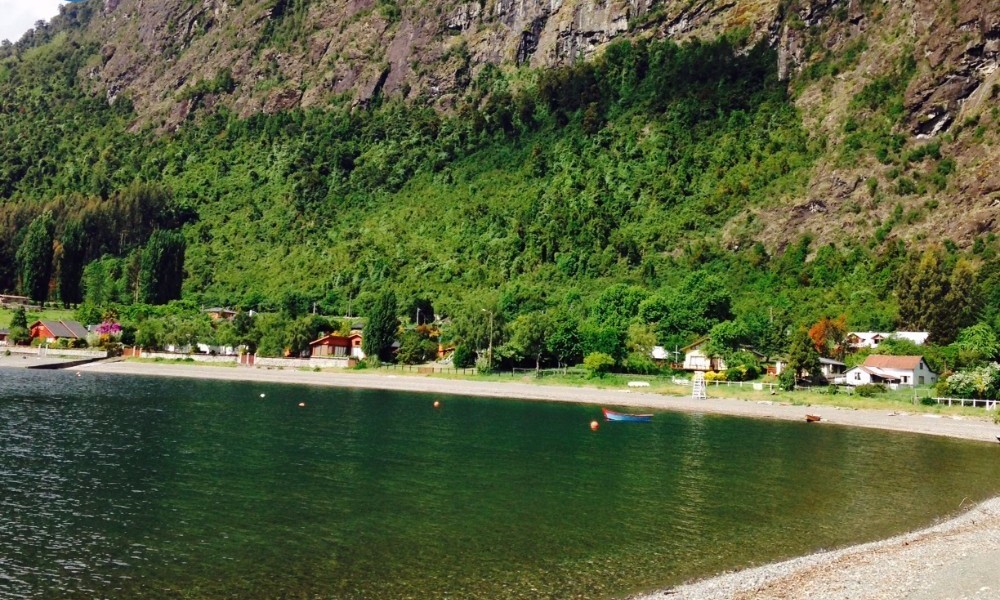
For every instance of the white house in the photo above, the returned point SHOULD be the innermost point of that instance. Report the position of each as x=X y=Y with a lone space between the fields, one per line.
x=659 y=353
x=832 y=370
x=696 y=359
x=892 y=371
x=871 y=339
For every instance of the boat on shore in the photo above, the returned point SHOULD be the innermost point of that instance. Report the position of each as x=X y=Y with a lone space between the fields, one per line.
x=812 y=418
x=610 y=415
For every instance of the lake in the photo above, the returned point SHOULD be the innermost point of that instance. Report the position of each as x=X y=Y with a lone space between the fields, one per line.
x=135 y=487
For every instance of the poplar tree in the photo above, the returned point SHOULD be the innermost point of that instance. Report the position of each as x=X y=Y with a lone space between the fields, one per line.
x=162 y=268
x=380 y=330
x=34 y=258
x=71 y=265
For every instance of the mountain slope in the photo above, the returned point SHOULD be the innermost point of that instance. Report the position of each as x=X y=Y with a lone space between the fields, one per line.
x=456 y=149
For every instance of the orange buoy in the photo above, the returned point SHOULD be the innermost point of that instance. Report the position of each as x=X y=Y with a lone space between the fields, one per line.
x=301 y=404
x=437 y=404
x=594 y=425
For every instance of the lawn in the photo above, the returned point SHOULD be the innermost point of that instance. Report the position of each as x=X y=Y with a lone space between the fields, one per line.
x=50 y=314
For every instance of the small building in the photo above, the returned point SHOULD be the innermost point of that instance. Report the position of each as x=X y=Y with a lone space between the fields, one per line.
x=10 y=300
x=892 y=371
x=659 y=354
x=832 y=370
x=697 y=359
x=3 y=337
x=220 y=314
x=336 y=345
x=857 y=340
x=52 y=331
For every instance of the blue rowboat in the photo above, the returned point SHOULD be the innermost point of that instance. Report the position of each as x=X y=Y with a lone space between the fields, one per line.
x=611 y=415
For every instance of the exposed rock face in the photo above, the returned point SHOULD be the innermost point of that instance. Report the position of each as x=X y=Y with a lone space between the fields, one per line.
x=153 y=49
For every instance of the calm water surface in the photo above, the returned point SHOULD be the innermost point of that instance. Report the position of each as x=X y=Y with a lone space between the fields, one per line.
x=128 y=487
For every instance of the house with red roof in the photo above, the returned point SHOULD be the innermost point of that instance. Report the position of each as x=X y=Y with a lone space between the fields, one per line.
x=53 y=331
x=892 y=371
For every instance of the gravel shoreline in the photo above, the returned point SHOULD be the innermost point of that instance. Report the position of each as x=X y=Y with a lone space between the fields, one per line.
x=981 y=430
x=959 y=558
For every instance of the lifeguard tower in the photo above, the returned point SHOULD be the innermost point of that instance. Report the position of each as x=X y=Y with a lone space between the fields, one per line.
x=698 y=389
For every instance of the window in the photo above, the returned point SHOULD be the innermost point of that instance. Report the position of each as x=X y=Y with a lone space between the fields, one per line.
x=857 y=377
x=906 y=379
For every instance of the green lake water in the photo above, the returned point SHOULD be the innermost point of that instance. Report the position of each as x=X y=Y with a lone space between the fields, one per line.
x=128 y=487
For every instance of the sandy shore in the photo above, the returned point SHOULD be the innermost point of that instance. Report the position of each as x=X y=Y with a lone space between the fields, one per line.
x=958 y=427
x=959 y=558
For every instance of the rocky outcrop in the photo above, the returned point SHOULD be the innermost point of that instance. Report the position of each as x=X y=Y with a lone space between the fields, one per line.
x=153 y=49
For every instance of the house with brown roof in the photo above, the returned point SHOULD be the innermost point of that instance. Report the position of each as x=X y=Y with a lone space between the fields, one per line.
x=892 y=371
x=336 y=345
x=52 y=331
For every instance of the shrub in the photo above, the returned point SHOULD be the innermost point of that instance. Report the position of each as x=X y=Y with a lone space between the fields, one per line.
x=483 y=365
x=463 y=357
x=713 y=376
x=870 y=389
x=786 y=381
x=598 y=364
x=640 y=363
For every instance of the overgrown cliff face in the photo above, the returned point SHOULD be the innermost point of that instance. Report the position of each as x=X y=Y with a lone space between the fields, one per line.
x=287 y=53
x=903 y=97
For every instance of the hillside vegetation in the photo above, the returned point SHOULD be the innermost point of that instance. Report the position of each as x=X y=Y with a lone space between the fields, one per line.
x=664 y=185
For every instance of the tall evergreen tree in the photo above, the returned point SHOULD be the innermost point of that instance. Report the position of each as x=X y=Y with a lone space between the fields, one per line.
x=162 y=268
x=935 y=300
x=71 y=265
x=803 y=356
x=34 y=258
x=380 y=330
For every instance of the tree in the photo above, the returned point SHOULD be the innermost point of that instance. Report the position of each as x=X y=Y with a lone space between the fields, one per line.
x=34 y=258
x=19 y=318
x=19 y=333
x=828 y=336
x=162 y=267
x=598 y=363
x=528 y=335
x=294 y=304
x=802 y=355
x=71 y=264
x=463 y=357
x=934 y=300
x=381 y=327
x=977 y=343
x=619 y=304
x=420 y=305
x=563 y=342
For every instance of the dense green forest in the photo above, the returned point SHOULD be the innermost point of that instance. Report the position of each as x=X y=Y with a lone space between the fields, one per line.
x=583 y=202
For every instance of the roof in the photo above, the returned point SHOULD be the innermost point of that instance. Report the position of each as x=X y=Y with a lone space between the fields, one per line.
x=830 y=361
x=333 y=336
x=695 y=344
x=64 y=329
x=4 y=332
x=219 y=309
x=876 y=372
x=899 y=363
x=917 y=337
